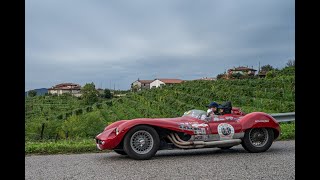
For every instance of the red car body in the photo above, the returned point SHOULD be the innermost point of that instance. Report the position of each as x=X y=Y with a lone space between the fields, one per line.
x=217 y=129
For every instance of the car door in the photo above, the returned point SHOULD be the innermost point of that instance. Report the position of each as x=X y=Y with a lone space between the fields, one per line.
x=224 y=127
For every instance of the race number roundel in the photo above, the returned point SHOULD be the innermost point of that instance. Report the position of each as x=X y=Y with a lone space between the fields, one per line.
x=226 y=131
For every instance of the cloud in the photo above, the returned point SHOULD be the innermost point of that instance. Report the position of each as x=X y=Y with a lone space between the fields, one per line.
x=121 y=41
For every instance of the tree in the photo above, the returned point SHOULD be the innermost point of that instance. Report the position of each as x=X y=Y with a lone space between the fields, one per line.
x=135 y=88
x=271 y=74
x=221 y=76
x=287 y=71
x=32 y=93
x=89 y=93
x=107 y=94
x=267 y=68
x=291 y=63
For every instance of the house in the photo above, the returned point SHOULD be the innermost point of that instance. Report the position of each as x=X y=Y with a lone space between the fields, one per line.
x=73 y=89
x=101 y=91
x=138 y=85
x=262 y=74
x=242 y=70
x=161 y=82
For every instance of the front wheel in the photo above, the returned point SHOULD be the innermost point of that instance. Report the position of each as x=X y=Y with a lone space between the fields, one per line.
x=141 y=142
x=257 y=139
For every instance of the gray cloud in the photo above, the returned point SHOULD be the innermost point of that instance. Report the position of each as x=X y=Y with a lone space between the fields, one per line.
x=116 y=42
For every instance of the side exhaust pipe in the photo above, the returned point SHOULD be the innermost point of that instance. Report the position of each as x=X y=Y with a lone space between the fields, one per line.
x=181 y=142
x=177 y=141
x=184 y=146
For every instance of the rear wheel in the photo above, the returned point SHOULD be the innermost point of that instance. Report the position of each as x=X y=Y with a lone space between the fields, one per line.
x=141 y=142
x=121 y=152
x=257 y=139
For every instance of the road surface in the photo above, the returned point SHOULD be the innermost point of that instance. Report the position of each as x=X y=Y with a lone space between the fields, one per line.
x=277 y=163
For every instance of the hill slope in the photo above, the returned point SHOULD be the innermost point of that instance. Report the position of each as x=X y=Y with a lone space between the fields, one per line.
x=63 y=116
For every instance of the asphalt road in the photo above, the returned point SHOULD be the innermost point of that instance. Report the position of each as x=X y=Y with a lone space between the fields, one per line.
x=277 y=163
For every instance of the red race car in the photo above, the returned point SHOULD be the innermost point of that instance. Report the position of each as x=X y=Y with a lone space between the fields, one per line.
x=141 y=138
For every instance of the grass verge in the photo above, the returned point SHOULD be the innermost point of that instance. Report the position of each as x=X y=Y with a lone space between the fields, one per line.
x=88 y=145
x=61 y=147
x=287 y=131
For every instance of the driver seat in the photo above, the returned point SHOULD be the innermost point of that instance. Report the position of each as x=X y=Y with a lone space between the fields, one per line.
x=227 y=107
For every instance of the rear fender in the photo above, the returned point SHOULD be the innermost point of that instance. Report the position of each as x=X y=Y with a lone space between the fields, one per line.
x=260 y=120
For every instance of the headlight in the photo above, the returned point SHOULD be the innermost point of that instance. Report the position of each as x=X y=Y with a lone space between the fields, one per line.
x=98 y=141
x=117 y=131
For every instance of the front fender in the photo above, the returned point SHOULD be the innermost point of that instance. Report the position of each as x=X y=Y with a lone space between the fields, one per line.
x=115 y=124
x=109 y=138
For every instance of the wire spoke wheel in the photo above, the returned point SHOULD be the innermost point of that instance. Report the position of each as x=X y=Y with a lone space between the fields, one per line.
x=258 y=137
x=141 y=142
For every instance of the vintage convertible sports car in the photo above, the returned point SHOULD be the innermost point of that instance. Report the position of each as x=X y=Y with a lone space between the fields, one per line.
x=141 y=138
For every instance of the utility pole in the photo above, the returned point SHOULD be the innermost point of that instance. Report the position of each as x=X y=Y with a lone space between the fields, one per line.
x=259 y=67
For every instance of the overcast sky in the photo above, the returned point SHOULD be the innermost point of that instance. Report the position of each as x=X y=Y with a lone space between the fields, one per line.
x=114 y=42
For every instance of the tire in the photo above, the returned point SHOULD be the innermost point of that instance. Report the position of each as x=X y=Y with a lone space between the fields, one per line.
x=261 y=139
x=121 y=152
x=141 y=142
x=225 y=148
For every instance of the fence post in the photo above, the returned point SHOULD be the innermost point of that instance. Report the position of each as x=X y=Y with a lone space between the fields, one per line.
x=56 y=137
x=42 y=129
x=67 y=135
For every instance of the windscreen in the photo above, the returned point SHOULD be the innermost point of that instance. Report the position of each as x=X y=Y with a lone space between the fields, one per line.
x=199 y=114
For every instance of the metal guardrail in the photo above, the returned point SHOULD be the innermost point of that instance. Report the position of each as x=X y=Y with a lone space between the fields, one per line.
x=284 y=117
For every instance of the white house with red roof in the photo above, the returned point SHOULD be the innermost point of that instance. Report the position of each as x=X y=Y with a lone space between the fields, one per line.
x=73 y=89
x=141 y=84
x=161 y=82
x=148 y=84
